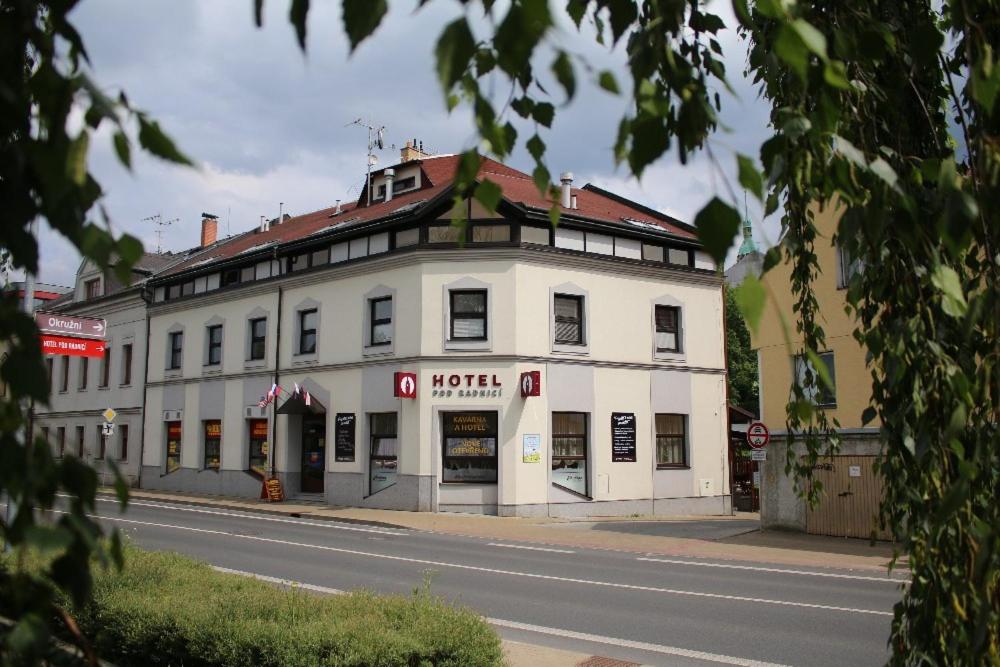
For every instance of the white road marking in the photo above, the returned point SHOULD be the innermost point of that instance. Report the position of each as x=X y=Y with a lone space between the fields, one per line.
x=529 y=575
x=756 y=568
x=522 y=546
x=260 y=517
x=541 y=629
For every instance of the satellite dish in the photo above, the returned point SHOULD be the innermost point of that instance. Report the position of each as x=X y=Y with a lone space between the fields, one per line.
x=372 y=160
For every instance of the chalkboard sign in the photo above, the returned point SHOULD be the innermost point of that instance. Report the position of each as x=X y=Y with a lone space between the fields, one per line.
x=343 y=437
x=623 y=437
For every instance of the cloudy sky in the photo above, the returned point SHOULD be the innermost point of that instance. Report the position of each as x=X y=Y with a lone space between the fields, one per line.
x=268 y=124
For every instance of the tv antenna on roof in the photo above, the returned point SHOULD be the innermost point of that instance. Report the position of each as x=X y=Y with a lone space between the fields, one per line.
x=160 y=225
x=376 y=139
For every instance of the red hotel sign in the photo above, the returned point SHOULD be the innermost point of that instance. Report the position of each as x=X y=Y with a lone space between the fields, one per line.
x=466 y=385
x=531 y=383
x=404 y=385
x=73 y=347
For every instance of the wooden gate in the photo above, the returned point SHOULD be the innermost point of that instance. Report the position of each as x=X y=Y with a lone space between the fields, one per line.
x=849 y=503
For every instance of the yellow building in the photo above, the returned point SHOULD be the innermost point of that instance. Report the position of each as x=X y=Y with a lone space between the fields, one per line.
x=852 y=490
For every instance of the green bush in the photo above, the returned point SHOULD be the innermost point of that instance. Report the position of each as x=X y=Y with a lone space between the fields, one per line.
x=167 y=609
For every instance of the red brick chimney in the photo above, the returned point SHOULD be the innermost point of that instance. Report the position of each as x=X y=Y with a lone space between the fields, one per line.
x=209 y=229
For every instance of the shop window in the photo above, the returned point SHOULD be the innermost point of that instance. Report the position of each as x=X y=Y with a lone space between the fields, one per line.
x=79 y=441
x=173 y=446
x=383 y=459
x=213 y=444
x=105 y=367
x=258 y=446
x=812 y=384
x=123 y=442
x=127 y=364
x=468 y=314
x=671 y=441
x=381 y=321
x=64 y=380
x=84 y=372
x=258 y=335
x=175 y=350
x=307 y=331
x=568 y=313
x=101 y=442
x=61 y=440
x=569 y=451
x=668 y=337
x=470 y=447
x=214 y=345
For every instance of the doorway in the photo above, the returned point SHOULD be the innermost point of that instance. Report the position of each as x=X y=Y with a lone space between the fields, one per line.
x=313 y=453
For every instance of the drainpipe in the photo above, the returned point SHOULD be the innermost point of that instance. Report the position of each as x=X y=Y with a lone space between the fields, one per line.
x=145 y=390
x=729 y=422
x=277 y=376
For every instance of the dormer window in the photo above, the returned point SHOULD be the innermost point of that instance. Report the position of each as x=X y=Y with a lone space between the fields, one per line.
x=92 y=288
x=401 y=185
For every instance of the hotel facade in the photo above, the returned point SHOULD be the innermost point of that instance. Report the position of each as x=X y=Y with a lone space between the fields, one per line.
x=375 y=355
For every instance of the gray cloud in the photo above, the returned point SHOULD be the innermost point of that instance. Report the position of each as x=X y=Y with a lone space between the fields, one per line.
x=267 y=123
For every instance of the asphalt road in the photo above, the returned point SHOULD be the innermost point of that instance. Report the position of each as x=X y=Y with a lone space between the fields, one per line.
x=652 y=610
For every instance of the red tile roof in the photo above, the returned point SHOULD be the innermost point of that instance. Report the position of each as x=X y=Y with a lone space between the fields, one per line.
x=518 y=188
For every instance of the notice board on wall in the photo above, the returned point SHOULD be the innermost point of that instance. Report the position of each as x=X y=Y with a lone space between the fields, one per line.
x=623 y=437
x=343 y=437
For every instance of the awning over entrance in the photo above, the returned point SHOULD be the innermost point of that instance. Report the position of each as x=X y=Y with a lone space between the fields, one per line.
x=296 y=405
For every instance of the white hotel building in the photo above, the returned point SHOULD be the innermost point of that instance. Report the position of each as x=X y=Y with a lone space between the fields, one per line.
x=617 y=314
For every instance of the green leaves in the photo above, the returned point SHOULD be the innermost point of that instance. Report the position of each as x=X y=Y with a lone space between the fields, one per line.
x=489 y=194
x=952 y=297
x=607 y=81
x=298 y=12
x=454 y=50
x=717 y=224
x=519 y=34
x=76 y=158
x=361 y=18
x=751 y=299
x=750 y=177
x=562 y=68
x=153 y=139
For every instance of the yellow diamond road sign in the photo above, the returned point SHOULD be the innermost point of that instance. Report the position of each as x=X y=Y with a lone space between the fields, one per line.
x=109 y=415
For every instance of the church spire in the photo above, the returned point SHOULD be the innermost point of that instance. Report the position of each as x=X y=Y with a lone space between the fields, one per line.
x=749 y=246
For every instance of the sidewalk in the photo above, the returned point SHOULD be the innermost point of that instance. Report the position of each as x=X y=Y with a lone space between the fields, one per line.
x=774 y=547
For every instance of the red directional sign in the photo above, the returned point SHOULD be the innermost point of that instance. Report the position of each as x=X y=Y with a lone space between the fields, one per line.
x=72 y=347
x=57 y=324
x=406 y=385
x=757 y=435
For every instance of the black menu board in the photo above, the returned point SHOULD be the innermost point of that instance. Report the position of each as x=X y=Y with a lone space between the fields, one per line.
x=623 y=437
x=343 y=437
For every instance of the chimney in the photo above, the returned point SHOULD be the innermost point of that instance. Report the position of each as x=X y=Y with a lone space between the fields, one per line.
x=573 y=202
x=337 y=211
x=567 y=188
x=390 y=175
x=413 y=150
x=263 y=223
x=209 y=229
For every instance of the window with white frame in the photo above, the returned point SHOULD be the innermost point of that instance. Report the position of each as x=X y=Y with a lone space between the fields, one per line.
x=380 y=322
x=671 y=441
x=467 y=314
x=569 y=451
x=568 y=315
x=667 y=322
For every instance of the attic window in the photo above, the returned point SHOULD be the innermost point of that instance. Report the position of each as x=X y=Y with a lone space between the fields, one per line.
x=402 y=185
x=409 y=207
x=643 y=224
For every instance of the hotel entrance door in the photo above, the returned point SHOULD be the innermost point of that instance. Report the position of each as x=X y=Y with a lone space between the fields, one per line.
x=313 y=453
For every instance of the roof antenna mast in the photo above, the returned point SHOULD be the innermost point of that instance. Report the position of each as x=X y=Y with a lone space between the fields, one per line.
x=161 y=224
x=376 y=139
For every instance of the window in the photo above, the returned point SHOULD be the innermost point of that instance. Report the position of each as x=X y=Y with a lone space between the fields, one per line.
x=92 y=288
x=106 y=367
x=405 y=237
x=79 y=441
x=847 y=267
x=668 y=329
x=445 y=234
x=470 y=447
x=101 y=442
x=213 y=444
x=307 y=331
x=258 y=446
x=384 y=451
x=123 y=442
x=258 y=334
x=64 y=380
x=230 y=277
x=569 y=451
x=812 y=384
x=490 y=233
x=671 y=441
x=84 y=372
x=381 y=321
x=176 y=350
x=127 y=364
x=536 y=235
x=49 y=368
x=214 y=345
x=173 y=446
x=61 y=438
x=652 y=253
x=468 y=314
x=568 y=311
x=45 y=433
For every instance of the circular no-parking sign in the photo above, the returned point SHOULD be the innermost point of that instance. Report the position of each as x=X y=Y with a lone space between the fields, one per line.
x=758 y=435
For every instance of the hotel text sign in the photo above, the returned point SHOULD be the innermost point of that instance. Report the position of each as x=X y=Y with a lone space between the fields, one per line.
x=467 y=385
